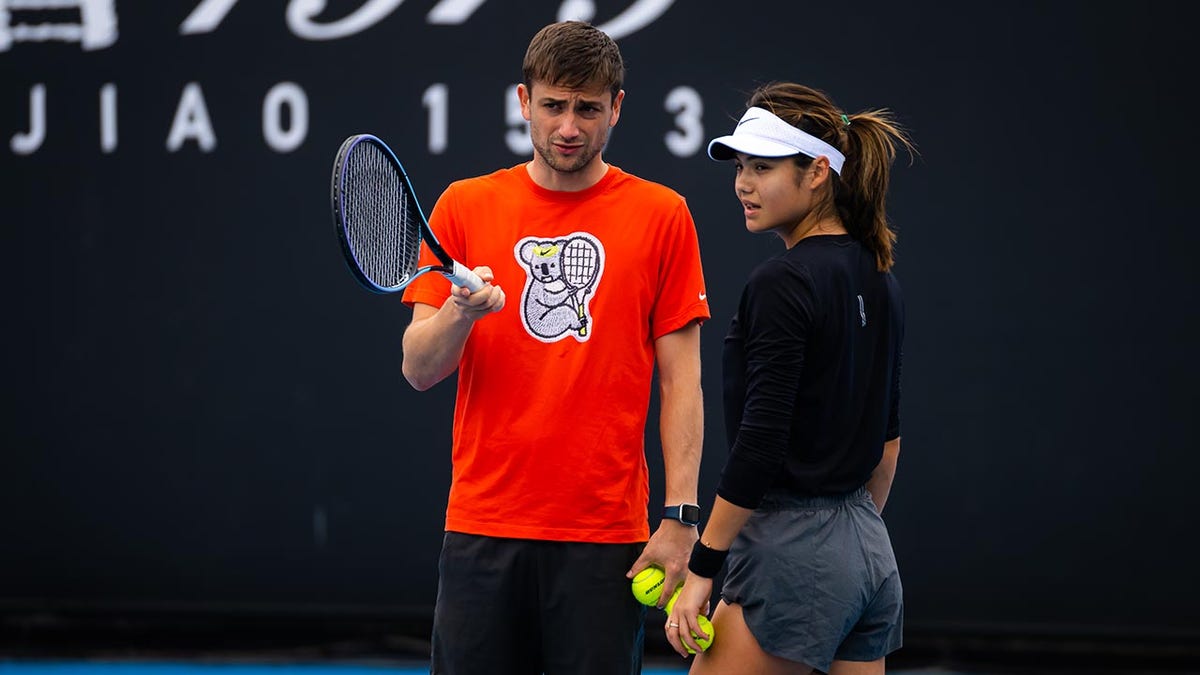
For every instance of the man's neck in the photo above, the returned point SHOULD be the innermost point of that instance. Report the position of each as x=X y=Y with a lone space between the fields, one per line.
x=559 y=181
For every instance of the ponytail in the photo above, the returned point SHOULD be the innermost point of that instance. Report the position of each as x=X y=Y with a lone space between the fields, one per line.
x=872 y=140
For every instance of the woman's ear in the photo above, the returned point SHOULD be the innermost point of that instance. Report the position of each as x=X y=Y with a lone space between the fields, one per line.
x=820 y=171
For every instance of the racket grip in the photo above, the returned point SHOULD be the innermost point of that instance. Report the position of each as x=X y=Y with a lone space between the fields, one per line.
x=465 y=278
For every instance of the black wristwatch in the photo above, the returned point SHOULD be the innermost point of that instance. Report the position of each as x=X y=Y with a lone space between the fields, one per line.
x=688 y=514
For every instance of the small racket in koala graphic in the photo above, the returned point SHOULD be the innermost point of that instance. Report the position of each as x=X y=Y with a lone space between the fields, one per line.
x=580 y=263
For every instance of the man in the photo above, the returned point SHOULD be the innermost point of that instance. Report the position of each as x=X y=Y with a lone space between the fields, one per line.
x=547 y=515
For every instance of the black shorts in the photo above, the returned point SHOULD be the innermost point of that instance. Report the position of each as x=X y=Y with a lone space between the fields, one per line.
x=525 y=607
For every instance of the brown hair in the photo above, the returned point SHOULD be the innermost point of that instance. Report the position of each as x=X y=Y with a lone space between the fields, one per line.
x=868 y=139
x=575 y=55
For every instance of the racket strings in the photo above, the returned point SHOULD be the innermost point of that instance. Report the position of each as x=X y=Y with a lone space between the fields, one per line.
x=579 y=262
x=379 y=222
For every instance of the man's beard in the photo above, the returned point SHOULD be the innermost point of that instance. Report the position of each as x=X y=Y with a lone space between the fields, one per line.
x=566 y=164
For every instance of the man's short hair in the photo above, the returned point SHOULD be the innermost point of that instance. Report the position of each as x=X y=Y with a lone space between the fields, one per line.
x=575 y=55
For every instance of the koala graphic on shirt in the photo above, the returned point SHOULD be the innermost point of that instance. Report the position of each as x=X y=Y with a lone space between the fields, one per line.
x=561 y=276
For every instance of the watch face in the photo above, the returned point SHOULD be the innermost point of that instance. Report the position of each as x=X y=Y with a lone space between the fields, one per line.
x=688 y=514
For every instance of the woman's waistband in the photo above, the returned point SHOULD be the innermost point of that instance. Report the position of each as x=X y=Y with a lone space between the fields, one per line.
x=778 y=500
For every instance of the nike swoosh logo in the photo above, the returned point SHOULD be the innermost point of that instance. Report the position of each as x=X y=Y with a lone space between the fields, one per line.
x=703 y=296
x=748 y=119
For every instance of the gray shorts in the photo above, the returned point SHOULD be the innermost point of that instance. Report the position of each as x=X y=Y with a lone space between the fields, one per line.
x=817 y=580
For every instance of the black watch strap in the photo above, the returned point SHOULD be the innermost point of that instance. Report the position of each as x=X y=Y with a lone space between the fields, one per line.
x=688 y=514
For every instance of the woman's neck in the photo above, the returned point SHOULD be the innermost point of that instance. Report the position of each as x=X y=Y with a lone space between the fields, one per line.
x=812 y=228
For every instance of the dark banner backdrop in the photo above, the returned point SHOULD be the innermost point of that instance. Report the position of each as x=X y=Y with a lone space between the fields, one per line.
x=202 y=410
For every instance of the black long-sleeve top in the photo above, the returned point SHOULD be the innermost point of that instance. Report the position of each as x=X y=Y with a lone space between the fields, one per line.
x=812 y=372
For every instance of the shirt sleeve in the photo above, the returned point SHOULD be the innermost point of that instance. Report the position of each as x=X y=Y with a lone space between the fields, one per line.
x=433 y=289
x=682 y=297
x=776 y=315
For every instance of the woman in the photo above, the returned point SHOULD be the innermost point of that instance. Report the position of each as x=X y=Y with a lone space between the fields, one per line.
x=812 y=389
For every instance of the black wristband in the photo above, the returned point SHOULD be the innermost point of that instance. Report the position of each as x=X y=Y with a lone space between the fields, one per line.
x=706 y=562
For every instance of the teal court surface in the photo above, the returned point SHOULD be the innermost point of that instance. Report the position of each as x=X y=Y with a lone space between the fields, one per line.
x=205 y=668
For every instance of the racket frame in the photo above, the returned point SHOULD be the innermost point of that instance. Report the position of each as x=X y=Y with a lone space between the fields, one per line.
x=456 y=272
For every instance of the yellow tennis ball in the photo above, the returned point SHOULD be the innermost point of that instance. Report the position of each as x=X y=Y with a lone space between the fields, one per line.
x=705 y=625
x=674 y=597
x=648 y=584
x=705 y=643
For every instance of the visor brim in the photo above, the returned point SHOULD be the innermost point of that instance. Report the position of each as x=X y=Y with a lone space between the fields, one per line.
x=726 y=147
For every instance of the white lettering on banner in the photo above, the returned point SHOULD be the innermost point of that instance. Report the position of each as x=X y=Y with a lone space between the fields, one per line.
x=206 y=17
x=285 y=108
x=637 y=16
x=688 y=107
x=191 y=121
x=301 y=15
x=452 y=12
x=577 y=10
x=28 y=142
x=108 y=118
x=291 y=95
x=301 y=12
x=285 y=120
x=97 y=27
x=437 y=101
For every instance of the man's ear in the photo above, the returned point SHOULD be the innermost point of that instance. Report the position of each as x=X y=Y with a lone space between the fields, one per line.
x=616 y=111
x=523 y=97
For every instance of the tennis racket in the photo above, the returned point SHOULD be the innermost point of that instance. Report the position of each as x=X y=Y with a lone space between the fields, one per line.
x=581 y=262
x=379 y=222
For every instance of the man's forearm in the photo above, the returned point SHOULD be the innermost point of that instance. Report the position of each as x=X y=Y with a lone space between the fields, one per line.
x=433 y=344
x=681 y=423
x=681 y=414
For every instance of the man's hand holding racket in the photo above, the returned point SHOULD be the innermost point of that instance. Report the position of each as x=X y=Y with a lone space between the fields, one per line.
x=478 y=304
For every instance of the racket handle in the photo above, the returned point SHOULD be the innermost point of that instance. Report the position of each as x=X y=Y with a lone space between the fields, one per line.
x=465 y=278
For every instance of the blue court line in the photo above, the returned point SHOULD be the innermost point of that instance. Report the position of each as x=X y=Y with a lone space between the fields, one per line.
x=152 y=668
x=115 y=667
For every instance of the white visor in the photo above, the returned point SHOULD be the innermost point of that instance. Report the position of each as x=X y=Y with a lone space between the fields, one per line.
x=762 y=134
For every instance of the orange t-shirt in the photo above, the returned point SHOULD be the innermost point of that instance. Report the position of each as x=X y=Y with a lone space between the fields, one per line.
x=553 y=390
